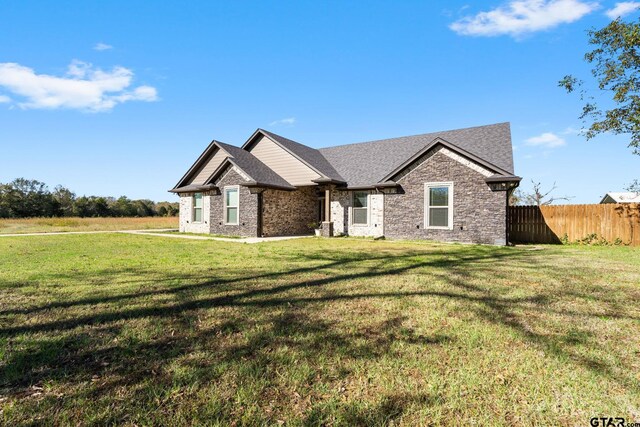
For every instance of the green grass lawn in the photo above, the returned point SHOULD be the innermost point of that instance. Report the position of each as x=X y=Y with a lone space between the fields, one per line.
x=142 y=330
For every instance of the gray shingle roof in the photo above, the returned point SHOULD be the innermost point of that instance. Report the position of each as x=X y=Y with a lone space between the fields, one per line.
x=310 y=155
x=367 y=163
x=257 y=170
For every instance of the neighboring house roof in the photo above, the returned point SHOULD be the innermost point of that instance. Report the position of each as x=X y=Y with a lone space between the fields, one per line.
x=312 y=157
x=367 y=164
x=361 y=164
x=621 y=197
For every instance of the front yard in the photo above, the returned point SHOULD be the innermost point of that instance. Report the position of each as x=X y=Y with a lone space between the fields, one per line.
x=145 y=330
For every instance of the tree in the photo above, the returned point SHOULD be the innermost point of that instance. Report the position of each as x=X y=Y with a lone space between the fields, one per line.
x=634 y=186
x=616 y=68
x=31 y=198
x=515 y=198
x=539 y=197
x=65 y=199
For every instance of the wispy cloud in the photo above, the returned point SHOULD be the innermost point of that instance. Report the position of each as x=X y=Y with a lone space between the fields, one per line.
x=520 y=17
x=83 y=87
x=4 y=99
x=547 y=139
x=622 y=9
x=288 y=121
x=571 y=131
x=102 y=46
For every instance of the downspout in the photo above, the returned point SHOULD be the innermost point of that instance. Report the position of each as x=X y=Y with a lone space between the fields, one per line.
x=509 y=192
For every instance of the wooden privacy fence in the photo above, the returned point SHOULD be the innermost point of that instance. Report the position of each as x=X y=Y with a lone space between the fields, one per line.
x=549 y=224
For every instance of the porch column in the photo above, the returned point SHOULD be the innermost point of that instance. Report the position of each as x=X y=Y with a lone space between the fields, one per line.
x=327 y=224
x=327 y=205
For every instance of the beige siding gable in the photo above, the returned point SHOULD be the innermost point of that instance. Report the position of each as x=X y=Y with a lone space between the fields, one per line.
x=283 y=163
x=209 y=167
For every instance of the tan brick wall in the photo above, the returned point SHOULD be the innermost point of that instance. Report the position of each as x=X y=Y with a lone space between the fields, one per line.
x=186 y=223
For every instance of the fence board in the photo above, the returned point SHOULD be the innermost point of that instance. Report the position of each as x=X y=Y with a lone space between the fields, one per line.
x=549 y=224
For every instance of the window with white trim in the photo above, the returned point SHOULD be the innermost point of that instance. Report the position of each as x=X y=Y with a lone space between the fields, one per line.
x=360 y=209
x=438 y=209
x=231 y=202
x=197 y=207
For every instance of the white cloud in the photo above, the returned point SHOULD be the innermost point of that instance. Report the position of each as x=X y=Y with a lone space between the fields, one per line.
x=102 y=46
x=83 y=87
x=287 y=121
x=523 y=16
x=571 y=131
x=622 y=9
x=547 y=139
x=4 y=99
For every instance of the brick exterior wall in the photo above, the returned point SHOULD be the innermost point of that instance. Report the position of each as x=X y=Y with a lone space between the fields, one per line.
x=186 y=223
x=247 y=211
x=479 y=214
x=341 y=203
x=287 y=213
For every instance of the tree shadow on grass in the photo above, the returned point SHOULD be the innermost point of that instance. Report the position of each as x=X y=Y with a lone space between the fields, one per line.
x=276 y=324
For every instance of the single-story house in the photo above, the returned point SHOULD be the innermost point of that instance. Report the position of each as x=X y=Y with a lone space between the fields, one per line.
x=450 y=186
x=621 y=197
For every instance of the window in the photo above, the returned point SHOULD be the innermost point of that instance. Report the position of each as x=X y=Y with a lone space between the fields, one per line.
x=197 y=207
x=438 y=205
x=360 y=210
x=231 y=205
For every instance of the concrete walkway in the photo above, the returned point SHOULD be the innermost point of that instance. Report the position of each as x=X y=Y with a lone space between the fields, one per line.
x=220 y=239
x=162 y=233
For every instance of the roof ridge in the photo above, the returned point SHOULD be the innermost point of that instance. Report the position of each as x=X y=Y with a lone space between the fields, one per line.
x=414 y=136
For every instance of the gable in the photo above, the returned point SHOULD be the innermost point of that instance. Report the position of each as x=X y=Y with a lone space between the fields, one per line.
x=429 y=155
x=208 y=168
x=282 y=162
x=231 y=174
x=367 y=163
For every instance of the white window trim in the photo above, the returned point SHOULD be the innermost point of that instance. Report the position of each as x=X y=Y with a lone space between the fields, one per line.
x=193 y=208
x=224 y=213
x=429 y=185
x=353 y=196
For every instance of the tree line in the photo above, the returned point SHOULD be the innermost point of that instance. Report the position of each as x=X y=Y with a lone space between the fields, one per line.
x=27 y=198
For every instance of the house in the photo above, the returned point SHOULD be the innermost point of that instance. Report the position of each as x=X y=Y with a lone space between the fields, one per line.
x=448 y=186
x=623 y=197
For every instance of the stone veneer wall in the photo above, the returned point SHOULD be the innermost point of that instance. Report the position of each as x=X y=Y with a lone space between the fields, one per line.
x=186 y=223
x=341 y=203
x=288 y=213
x=247 y=210
x=479 y=214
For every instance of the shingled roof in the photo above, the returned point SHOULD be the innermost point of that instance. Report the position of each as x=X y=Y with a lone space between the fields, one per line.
x=367 y=163
x=370 y=163
x=257 y=171
x=309 y=155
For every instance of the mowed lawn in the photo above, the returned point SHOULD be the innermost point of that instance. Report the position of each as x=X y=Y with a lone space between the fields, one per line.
x=57 y=225
x=146 y=330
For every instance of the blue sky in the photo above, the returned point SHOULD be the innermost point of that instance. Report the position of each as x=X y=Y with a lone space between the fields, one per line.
x=119 y=97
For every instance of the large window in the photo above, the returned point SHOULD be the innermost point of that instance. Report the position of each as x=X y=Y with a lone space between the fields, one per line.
x=438 y=205
x=231 y=205
x=197 y=207
x=360 y=208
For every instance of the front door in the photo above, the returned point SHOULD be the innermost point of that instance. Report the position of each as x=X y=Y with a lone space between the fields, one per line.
x=321 y=215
